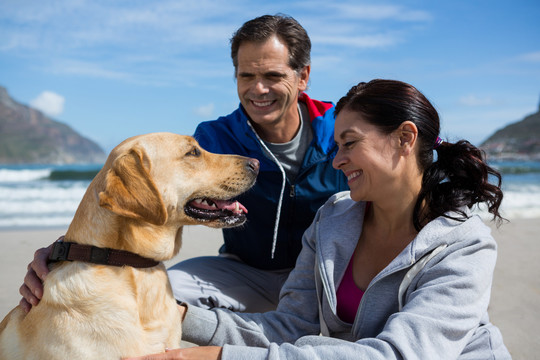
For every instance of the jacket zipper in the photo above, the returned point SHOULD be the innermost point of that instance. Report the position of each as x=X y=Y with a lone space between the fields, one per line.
x=324 y=275
x=359 y=312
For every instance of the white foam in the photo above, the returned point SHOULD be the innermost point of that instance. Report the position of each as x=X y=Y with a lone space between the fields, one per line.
x=29 y=201
x=38 y=221
x=23 y=175
x=45 y=191
x=38 y=207
x=519 y=202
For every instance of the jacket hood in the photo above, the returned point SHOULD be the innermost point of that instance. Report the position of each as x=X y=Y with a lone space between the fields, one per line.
x=340 y=222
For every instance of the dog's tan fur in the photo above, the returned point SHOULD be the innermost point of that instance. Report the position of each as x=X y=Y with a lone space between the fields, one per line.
x=135 y=203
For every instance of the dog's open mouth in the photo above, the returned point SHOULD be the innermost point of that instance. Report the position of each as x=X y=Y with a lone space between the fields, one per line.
x=228 y=212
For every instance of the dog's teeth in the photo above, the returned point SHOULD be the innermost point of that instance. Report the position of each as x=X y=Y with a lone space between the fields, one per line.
x=236 y=207
x=209 y=203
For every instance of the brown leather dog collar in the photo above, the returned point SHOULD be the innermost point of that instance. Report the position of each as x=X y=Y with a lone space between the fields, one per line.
x=70 y=251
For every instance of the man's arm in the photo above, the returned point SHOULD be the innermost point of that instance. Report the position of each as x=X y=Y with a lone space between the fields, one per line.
x=32 y=288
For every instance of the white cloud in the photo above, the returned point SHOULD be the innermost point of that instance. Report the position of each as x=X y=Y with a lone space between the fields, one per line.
x=85 y=68
x=533 y=57
x=363 y=41
x=473 y=100
x=66 y=26
x=204 y=111
x=382 y=12
x=49 y=103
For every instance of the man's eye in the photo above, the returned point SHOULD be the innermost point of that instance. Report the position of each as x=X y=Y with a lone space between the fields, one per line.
x=275 y=77
x=246 y=77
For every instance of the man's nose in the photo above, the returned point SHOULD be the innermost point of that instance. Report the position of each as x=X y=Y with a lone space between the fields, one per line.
x=260 y=86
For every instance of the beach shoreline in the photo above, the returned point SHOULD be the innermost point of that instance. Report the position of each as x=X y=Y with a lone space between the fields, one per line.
x=514 y=306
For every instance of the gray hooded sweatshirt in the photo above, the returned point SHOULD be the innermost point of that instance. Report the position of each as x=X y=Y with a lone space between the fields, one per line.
x=430 y=302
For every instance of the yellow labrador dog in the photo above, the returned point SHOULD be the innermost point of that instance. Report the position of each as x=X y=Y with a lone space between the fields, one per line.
x=115 y=299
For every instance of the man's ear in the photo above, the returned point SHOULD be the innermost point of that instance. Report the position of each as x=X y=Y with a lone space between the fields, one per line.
x=304 y=78
x=408 y=134
x=130 y=190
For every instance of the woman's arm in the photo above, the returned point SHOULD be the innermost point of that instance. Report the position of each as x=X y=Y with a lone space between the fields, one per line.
x=192 y=353
x=297 y=314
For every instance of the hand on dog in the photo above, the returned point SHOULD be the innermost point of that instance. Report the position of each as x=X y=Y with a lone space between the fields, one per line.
x=32 y=288
x=193 y=353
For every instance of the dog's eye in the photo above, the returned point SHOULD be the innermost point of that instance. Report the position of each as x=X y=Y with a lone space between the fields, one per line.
x=193 y=152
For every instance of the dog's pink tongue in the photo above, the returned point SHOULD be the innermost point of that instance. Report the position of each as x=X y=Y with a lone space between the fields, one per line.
x=233 y=206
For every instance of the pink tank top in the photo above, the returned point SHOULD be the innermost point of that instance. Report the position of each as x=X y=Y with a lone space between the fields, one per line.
x=348 y=296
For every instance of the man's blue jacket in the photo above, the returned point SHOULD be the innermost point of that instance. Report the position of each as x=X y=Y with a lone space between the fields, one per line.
x=259 y=242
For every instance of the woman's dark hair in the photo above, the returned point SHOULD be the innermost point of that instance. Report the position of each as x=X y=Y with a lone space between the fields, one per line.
x=460 y=175
x=286 y=28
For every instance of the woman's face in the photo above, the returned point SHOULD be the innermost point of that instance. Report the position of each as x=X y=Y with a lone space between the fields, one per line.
x=368 y=158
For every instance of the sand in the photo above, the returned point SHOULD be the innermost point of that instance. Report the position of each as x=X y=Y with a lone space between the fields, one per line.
x=515 y=301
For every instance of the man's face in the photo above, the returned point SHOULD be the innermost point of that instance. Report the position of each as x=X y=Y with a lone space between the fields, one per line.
x=268 y=87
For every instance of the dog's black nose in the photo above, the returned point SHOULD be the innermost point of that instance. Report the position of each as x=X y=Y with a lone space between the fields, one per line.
x=253 y=165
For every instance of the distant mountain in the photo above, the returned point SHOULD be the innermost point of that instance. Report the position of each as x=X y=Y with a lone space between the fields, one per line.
x=517 y=141
x=27 y=136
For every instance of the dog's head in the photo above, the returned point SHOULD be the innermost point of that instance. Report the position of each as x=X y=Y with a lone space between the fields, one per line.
x=164 y=178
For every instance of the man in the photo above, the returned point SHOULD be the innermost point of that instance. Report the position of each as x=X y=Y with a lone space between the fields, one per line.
x=292 y=137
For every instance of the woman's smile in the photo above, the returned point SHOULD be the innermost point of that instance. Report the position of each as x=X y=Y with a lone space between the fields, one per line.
x=352 y=176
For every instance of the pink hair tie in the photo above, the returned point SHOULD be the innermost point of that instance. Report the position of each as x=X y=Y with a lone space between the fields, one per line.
x=438 y=142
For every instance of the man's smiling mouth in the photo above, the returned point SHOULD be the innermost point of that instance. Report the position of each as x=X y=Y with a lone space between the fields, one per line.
x=262 y=103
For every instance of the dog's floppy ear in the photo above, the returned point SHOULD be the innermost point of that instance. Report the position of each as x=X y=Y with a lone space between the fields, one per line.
x=130 y=190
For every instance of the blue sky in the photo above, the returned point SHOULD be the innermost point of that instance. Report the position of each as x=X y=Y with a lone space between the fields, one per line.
x=113 y=69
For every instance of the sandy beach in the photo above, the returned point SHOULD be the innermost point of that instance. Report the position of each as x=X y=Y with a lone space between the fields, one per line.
x=514 y=308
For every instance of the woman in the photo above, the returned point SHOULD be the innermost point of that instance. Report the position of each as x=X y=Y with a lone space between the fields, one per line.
x=397 y=268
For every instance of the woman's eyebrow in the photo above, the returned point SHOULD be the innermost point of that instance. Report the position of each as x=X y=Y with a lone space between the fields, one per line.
x=344 y=133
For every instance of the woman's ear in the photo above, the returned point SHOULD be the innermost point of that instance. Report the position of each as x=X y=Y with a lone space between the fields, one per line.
x=408 y=134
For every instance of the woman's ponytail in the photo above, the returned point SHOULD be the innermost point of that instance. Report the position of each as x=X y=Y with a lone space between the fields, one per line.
x=459 y=177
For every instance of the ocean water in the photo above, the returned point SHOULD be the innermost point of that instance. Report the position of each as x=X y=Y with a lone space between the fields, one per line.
x=521 y=188
x=42 y=196
x=46 y=196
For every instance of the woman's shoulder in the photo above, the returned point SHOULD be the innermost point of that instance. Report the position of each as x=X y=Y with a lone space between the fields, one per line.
x=342 y=196
x=341 y=204
x=453 y=230
x=340 y=200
